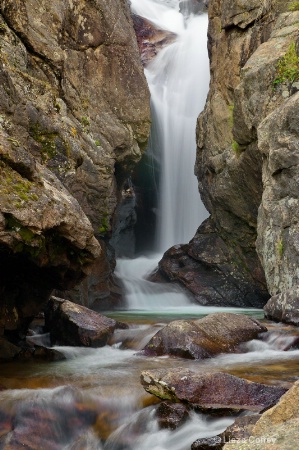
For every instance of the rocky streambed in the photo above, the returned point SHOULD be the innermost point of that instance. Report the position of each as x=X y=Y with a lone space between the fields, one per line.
x=114 y=389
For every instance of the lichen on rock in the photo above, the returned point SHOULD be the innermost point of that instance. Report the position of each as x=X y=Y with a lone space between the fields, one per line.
x=74 y=120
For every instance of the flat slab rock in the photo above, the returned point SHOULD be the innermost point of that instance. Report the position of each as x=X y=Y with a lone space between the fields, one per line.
x=210 y=391
x=204 y=338
x=72 y=324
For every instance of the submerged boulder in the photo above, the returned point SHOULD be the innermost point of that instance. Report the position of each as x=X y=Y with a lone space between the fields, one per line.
x=34 y=423
x=210 y=391
x=204 y=338
x=71 y=324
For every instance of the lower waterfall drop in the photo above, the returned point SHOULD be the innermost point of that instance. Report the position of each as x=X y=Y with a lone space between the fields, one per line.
x=178 y=78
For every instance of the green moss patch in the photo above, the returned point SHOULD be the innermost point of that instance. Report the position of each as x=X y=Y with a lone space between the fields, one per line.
x=287 y=70
x=46 y=140
x=14 y=186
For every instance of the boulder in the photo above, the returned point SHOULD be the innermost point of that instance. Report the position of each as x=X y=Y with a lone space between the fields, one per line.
x=239 y=431
x=100 y=290
x=214 y=272
x=284 y=307
x=204 y=338
x=241 y=428
x=71 y=324
x=210 y=391
x=171 y=415
x=210 y=443
x=150 y=38
x=277 y=428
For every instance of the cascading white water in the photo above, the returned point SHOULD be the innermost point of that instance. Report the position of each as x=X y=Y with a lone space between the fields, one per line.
x=178 y=79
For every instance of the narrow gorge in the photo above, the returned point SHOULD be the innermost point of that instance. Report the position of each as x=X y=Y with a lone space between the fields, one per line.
x=149 y=249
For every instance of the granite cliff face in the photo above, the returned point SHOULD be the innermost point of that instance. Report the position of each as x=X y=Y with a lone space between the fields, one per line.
x=246 y=161
x=74 y=119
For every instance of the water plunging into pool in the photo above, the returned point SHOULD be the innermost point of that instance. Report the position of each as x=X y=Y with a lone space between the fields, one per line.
x=178 y=79
x=93 y=400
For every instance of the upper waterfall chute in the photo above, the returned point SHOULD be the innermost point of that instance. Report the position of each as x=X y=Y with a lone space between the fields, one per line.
x=178 y=79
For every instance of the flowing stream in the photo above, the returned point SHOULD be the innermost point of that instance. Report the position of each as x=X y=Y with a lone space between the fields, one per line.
x=93 y=399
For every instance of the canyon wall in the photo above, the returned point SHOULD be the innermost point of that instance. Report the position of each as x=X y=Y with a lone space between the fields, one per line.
x=247 y=145
x=74 y=120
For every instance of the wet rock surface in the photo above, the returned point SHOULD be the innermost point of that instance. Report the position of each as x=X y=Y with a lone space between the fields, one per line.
x=207 y=443
x=214 y=272
x=71 y=324
x=172 y=415
x=210 y=391
x=32 y=423
x=150 y=38
x=204 y=338
x=100 y=290
x=239 y=431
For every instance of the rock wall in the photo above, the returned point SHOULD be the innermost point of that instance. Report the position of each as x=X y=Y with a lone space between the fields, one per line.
x=74 y=120
x=248 y=116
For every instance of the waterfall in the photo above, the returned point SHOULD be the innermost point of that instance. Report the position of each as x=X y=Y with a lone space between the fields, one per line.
x=178 y=79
